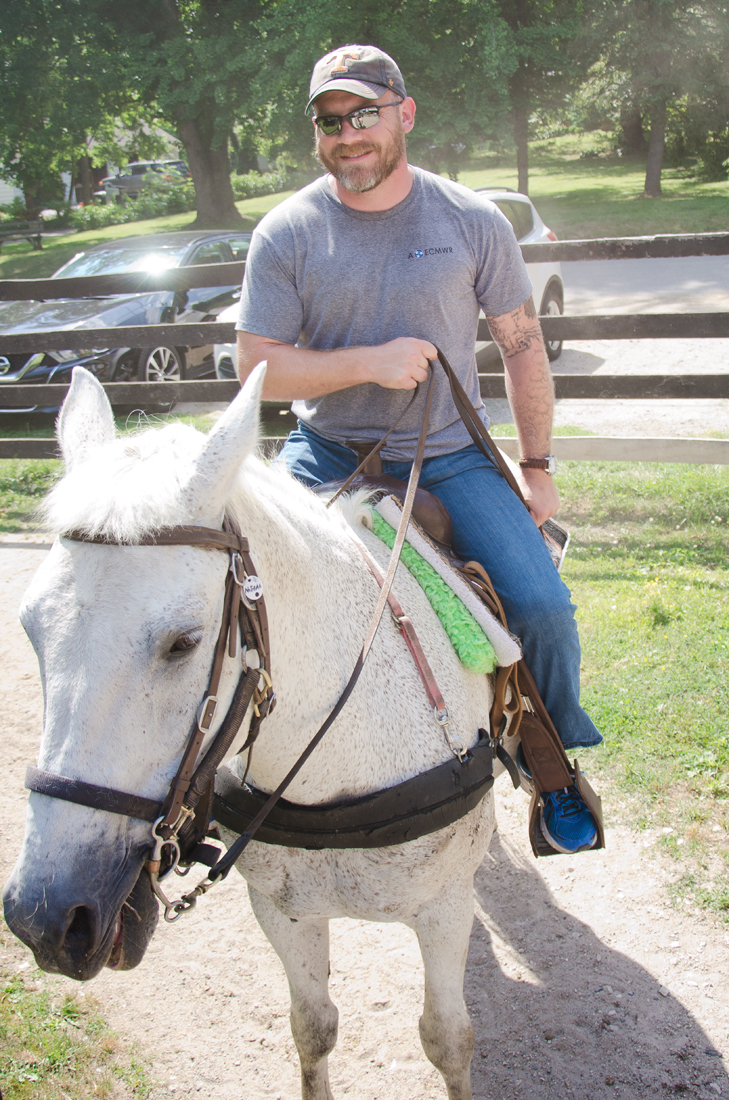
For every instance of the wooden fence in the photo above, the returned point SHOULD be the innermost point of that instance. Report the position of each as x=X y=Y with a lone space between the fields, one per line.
x=277 y=417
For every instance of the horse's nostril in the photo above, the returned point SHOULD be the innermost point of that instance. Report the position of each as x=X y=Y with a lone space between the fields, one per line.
x=80 y=934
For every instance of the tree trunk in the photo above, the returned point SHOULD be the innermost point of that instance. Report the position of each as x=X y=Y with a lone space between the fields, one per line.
x=87 y=181
x=631 y=124
x=210 y=172
x=520 y=118
x=656 y=149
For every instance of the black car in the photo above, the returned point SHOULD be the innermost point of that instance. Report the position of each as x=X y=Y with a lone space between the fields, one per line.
x=150 y=364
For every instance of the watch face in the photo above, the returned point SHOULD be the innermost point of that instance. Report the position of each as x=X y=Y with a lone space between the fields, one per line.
x=551 y=464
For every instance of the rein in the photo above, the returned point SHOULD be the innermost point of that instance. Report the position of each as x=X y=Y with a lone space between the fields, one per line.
x=174 y=818
x=181 y=820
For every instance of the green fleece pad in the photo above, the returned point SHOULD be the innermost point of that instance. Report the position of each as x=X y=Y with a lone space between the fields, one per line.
x=467 y=638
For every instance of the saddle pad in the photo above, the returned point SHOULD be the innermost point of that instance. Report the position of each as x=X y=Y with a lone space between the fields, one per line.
x=472 y=624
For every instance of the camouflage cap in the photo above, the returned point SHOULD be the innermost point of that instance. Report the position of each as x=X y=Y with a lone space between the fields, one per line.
x=361 y=70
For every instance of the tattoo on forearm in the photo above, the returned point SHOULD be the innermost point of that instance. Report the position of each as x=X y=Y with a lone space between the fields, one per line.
x=517 y=331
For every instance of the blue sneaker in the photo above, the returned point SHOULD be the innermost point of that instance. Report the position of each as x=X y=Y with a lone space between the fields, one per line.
x=567 y=821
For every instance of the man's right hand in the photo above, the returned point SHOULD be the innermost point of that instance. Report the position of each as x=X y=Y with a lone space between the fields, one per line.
x=400 y=364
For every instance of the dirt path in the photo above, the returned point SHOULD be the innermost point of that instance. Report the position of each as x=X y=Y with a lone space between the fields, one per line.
x=582 y=981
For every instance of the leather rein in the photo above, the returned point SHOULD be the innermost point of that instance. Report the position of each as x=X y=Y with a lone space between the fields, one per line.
x=181 y=820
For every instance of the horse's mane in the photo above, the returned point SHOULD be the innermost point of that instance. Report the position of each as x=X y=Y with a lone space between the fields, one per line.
x=136 y=485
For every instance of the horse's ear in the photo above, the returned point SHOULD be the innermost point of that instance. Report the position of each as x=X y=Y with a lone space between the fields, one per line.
x=234 y=437
x=86 y=419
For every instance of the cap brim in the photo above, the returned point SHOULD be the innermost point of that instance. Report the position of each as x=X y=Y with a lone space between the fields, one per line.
x=356 y=87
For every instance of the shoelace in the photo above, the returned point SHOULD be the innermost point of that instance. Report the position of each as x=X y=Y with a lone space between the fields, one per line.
x=568 y=802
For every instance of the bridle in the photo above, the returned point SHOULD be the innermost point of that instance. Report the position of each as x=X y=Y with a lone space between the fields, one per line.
x=180 y=821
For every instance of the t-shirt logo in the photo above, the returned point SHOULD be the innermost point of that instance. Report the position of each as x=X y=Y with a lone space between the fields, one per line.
x=342 y=58
x=419 y=253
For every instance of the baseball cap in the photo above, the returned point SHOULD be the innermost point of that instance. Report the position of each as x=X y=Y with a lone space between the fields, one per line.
x=361 y=70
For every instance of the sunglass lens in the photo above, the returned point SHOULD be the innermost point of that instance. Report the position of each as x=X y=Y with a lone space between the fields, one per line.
x=329 y=124
x=366 y=118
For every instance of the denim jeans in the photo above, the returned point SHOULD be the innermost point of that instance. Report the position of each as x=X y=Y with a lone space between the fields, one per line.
x=491 y=526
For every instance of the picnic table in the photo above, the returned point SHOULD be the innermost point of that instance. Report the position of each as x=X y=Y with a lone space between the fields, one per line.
x=22 y=231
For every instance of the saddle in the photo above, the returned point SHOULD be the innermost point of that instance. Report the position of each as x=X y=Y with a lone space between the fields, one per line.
x=518 y=708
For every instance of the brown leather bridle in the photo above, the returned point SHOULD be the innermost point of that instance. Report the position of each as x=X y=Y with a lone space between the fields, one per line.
x=180 y=821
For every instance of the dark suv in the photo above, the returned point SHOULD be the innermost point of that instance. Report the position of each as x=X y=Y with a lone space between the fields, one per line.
x=115 y=364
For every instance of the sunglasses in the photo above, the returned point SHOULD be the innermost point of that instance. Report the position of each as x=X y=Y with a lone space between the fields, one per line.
x=329 y=125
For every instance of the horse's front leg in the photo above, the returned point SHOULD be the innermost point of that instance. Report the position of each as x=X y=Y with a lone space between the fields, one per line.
x=303 y=948
x=443 y=927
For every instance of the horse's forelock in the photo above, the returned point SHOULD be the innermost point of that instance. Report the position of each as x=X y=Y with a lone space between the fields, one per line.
x=128 y=488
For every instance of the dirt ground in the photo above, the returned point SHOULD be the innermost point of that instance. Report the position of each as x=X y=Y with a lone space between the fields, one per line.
x=583 y=980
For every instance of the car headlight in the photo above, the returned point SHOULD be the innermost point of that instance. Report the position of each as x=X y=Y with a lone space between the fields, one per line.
x=65 y=356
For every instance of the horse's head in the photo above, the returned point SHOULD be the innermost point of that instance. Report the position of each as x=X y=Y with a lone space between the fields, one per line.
x=124 y=636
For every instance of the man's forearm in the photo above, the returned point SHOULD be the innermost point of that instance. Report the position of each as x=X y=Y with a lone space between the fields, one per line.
x=529 y=385
x=530 y=390
x=296 y=374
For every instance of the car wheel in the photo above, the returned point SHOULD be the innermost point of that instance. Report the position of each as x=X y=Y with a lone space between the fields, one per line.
x=161 y=365
x=552 y=306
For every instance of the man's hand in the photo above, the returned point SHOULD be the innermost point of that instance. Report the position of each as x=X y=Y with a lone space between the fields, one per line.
x=540 y=493
x=400 y=364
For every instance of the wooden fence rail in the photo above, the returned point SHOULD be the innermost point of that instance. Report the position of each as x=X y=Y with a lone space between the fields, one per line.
x=277 y=416
x=200 y=275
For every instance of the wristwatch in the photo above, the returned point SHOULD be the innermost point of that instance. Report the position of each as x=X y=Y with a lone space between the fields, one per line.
x=548 y=464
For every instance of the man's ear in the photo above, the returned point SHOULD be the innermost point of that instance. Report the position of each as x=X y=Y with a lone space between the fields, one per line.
x=408 y=109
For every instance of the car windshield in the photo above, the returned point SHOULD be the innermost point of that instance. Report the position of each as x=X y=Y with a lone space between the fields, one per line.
x=110 y=261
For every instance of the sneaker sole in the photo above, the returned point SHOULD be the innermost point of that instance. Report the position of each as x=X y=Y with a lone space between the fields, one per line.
x=555 y=843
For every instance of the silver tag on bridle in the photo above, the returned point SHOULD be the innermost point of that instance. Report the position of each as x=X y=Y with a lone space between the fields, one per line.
x=252 y=588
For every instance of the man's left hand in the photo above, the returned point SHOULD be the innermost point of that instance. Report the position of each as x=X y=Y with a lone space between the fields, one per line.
x=540 y=493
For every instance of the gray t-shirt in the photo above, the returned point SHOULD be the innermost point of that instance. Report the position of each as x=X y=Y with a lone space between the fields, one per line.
x=321 y=275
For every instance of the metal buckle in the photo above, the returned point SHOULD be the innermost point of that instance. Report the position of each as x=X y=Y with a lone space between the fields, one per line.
x=201 y=713
x=236 y=563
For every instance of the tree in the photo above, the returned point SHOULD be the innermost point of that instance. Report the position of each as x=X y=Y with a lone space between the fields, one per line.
x=545 y=66
x=196 y=63
x=58 y=86
x=667 y=50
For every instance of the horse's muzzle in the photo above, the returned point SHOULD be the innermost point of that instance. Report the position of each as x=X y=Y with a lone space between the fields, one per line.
x=74 y=928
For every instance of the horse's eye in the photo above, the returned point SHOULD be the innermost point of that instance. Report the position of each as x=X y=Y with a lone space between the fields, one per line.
x=185 y=643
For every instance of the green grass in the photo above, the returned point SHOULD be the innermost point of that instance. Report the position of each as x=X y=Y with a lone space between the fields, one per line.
x=56 y=1046
x=24 y=482
x=582 y=191
x=648 y=571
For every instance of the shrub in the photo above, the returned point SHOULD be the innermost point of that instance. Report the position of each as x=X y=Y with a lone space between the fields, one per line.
x=159 y=198
x=253 y=184
x=156 y=200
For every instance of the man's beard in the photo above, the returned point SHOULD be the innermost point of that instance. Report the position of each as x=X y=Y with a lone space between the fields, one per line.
x=360 y=178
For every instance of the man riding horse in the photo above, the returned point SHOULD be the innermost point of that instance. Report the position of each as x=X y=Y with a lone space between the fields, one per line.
x=349 y=286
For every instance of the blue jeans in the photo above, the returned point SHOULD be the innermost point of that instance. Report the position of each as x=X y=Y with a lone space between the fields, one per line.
x=491 y=526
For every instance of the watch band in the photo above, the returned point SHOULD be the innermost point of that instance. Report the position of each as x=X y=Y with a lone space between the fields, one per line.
x=548 y=464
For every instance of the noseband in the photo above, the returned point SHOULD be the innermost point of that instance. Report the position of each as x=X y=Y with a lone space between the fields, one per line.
x=181 y=820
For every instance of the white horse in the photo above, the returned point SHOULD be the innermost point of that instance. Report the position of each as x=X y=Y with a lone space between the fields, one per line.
x=124 y=636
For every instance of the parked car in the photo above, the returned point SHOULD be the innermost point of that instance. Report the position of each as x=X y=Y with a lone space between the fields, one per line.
x=149 y=364
x=530 y=229
x=138 y=175
x=224 y=355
